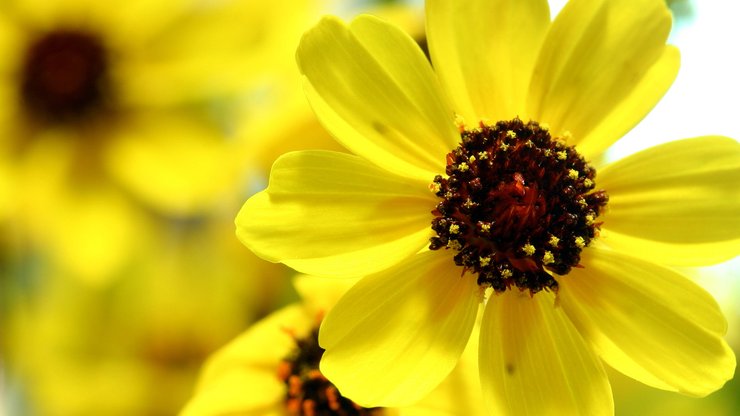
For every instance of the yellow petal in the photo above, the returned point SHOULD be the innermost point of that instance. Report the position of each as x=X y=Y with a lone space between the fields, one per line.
x=484 y=52
x=176 y=164
x=320 y=294
x=101 y=227
x=262 y=346
x=239 y=392
x=397 y=334
x=13 y=43
x=683 y=192
x=633 y=107
x=251 y=360
x=373 y=89
x=459 y=393
x=334 y=214
x=674 y=254
x=241 y=378
x=149 y=18
x=594 y=55
x=533 y=361
x=649 y=322
x=238 y=43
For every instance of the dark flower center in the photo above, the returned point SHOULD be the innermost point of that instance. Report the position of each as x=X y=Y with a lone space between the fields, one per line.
x=309 y=393
x=517 y=205
x=64 y=74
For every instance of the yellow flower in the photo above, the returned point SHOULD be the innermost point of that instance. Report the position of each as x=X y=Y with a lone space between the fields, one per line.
x=531 y=100
x=105 y=109
x=272 y=369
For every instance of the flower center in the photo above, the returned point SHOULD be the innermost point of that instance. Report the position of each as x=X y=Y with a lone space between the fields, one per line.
x=63 y=75
x=517 y=205
x=309 y=393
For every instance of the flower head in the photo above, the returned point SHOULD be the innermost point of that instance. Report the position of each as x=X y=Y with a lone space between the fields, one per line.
x=481 y=177
x=107 y=115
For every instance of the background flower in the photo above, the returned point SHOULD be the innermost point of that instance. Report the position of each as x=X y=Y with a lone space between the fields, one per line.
x=119 y=269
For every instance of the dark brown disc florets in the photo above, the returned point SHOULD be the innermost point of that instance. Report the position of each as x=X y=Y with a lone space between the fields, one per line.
x=517 y=205
x=309 y=393
x=64 y=75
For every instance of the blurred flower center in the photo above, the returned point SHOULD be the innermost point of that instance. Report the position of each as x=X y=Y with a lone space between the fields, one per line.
x=517 y=205
x=309 y=393
x=64 y=75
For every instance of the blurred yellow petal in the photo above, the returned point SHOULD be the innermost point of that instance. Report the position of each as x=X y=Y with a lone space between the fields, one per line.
x=400 y=121
x=327 y=213
x=594 y=55
x=265 y=135
x=239 y=392
x=533 y=361
x=649 y=322
x=683 y=192
x=484 y=52
x=241 y=378
x=176 y=164
x=90 y=228
x=97 y=233
x=11 y=43
x=397 y=334
x=247 y=43
x=321 y=293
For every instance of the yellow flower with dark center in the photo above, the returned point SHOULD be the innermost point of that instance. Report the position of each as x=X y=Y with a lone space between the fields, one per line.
x=108 y=113
x=273 y=369
x=483 y=179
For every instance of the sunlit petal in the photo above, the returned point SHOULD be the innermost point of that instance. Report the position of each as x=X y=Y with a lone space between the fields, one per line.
x=396 y=334
x=594 y=55
x=683 y=192
x=484 y=52
x=334 y=214
x=373 y=89
x=534 y=362
x=649 y=322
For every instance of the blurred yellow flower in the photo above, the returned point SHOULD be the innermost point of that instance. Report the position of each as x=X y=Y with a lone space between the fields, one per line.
x=570 y=265
x=133 y=347
x=107 y=113
x=272 y=369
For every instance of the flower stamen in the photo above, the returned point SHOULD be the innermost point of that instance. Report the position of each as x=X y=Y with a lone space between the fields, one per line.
x=521 y=213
